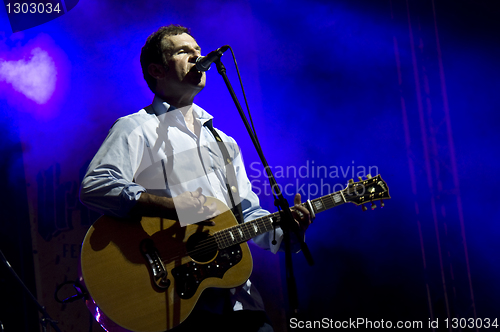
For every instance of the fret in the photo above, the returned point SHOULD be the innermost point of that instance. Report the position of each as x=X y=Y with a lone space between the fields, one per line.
x=243 y=232
x=336 y=198
x=327 y=202
x=318 y=205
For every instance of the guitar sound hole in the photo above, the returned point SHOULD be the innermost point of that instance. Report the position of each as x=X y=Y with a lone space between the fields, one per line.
x=201 y=247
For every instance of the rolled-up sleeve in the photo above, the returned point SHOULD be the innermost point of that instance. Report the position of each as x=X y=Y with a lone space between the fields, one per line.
x=108 y=185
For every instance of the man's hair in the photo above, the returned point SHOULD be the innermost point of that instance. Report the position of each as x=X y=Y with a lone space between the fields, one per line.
x=153 y=50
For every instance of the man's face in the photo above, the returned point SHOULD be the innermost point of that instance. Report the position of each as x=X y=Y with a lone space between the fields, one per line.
x=180 y=57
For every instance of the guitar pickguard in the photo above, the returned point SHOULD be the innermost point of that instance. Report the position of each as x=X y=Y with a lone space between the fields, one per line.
x=190 y=275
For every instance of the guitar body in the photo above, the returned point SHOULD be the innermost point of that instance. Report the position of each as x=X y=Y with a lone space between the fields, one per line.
x=147 y=275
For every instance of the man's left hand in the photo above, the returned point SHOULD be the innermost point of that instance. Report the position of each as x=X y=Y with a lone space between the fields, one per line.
x=301 y=214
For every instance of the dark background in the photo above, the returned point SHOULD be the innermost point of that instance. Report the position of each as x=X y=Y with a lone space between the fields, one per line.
x=408 y=87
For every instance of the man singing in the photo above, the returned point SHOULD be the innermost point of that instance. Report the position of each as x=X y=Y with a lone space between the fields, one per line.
x=164 y=159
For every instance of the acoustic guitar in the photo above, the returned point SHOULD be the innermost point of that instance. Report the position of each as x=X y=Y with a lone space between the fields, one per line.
x=147 y=275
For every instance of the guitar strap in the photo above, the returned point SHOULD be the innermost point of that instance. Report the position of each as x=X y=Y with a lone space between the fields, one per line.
x=230 y=172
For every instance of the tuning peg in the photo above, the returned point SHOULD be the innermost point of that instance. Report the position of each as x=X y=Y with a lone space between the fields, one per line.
x=374 y=206
x=351 y=181
x=363 y=207
x=382 y=203
x=368 y=176
x=360 y=178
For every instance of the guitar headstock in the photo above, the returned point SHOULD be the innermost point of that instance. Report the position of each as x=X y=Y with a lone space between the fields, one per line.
x=367 y=191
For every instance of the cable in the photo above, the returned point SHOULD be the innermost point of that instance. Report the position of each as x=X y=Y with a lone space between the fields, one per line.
x=244 y=96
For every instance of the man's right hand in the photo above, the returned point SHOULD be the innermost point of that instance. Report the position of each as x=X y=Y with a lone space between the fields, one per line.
x=190 y=205
x=187 y=208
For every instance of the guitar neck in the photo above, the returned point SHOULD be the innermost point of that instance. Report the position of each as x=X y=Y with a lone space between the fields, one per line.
x=248 y=230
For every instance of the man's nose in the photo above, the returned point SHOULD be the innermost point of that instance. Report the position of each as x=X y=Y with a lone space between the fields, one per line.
x=194 y=57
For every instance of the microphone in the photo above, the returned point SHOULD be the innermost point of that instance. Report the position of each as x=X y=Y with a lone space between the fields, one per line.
x=203 y=62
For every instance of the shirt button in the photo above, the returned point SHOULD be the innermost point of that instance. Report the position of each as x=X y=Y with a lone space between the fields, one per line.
x=233 y=189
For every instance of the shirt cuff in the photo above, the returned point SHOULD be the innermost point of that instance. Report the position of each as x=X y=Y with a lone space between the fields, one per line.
x=129 y=197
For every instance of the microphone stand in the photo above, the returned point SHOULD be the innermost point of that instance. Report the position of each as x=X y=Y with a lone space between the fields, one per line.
x=287 y=222
x=46 y=318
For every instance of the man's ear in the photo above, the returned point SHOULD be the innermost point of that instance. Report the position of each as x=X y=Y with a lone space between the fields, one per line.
x=157 y=71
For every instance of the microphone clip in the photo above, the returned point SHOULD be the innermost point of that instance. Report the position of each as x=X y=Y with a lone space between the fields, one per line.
x=203 y=62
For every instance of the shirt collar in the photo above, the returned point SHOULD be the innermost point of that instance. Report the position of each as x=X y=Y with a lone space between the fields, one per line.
x=162 y=107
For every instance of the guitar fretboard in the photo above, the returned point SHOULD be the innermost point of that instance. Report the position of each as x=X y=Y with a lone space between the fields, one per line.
x=246 y=231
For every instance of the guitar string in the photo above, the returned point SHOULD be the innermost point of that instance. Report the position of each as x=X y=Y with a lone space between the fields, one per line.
x=228 y=240
x=210 y=243
x=224 y=236
x=327 y=201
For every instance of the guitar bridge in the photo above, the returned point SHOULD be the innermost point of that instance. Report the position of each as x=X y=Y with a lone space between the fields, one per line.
x=157 y=269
